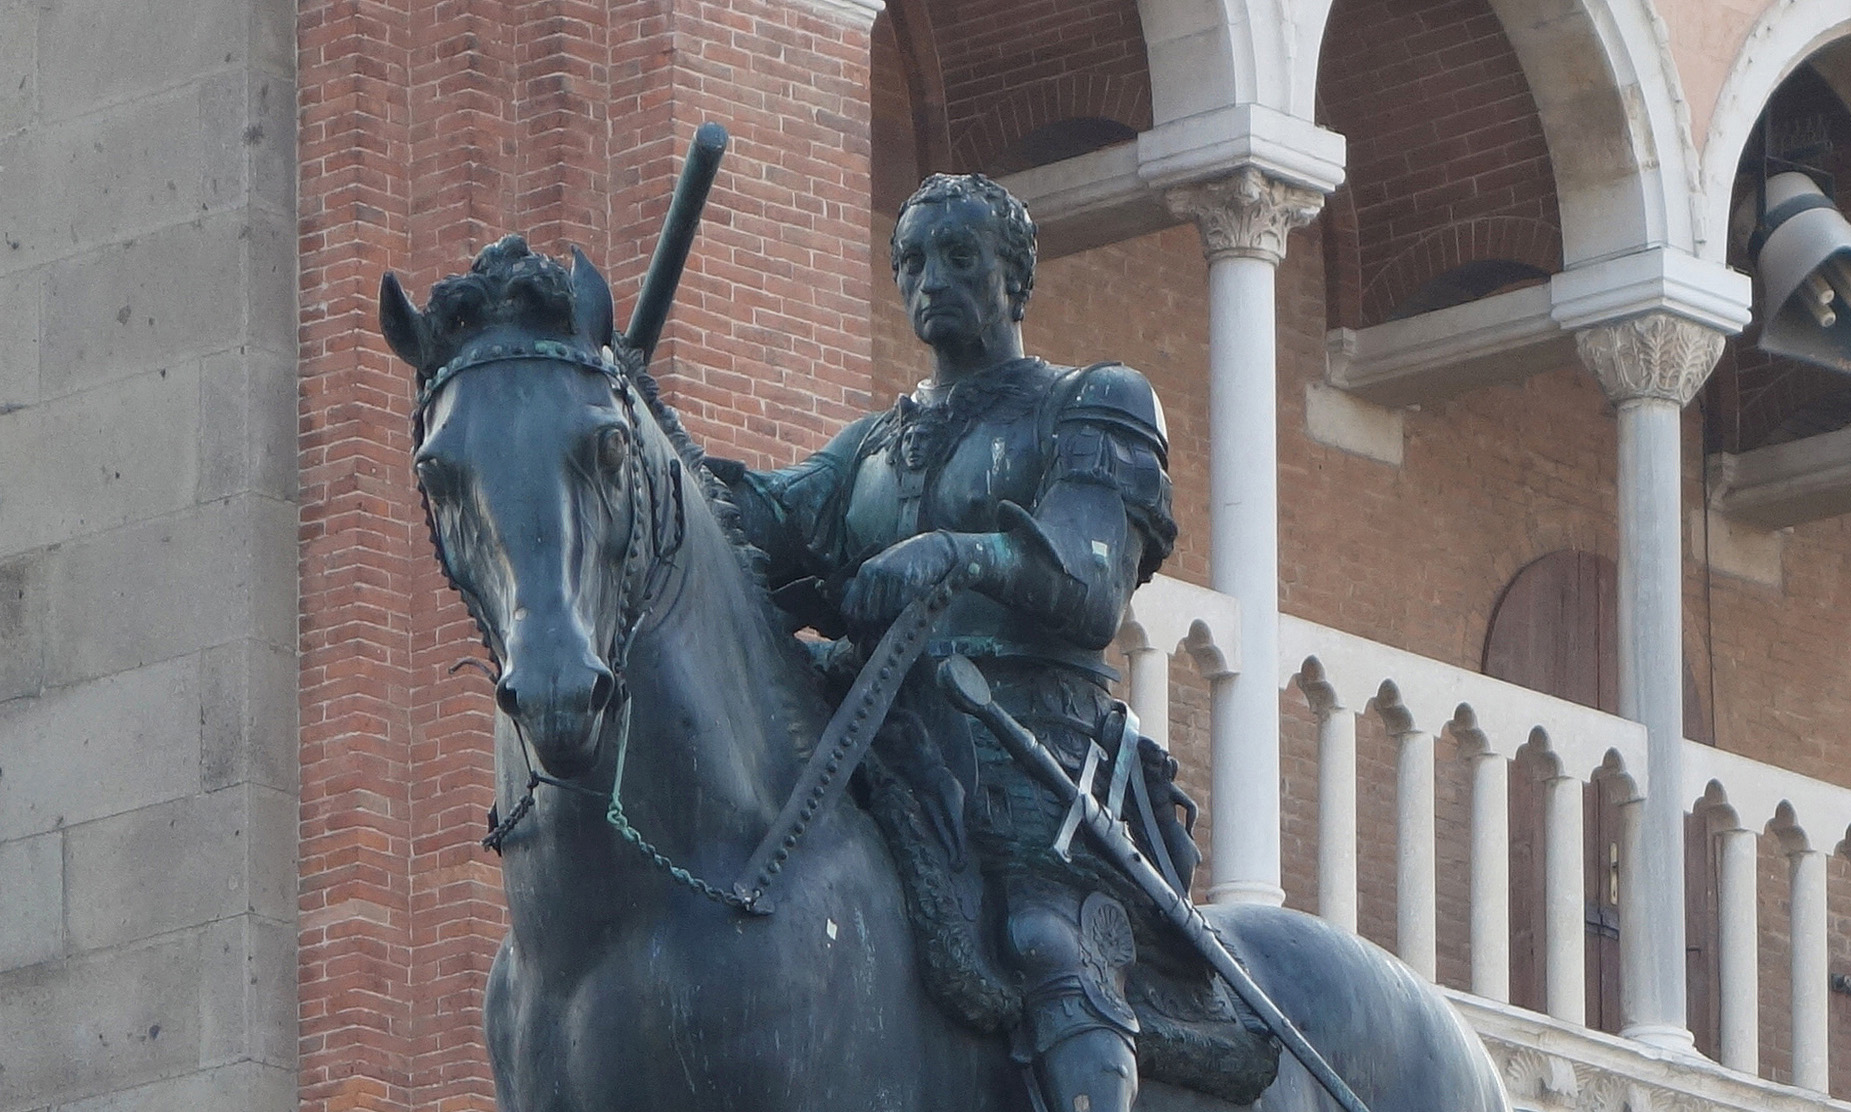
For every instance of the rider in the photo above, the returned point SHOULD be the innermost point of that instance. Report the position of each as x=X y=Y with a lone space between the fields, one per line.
x=1047 y=486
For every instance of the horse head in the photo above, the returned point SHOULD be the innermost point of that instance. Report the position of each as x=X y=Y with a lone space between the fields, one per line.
x=550 y=491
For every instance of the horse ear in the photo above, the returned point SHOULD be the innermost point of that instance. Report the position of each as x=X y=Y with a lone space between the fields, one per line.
x=401 y=322
x=592 y=316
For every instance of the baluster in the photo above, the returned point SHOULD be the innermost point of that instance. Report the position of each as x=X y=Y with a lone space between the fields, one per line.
x=1635 y=914
x=1491 y=876
x=1810 y=1014
x=1416 y=917
x=1564 y=913
x=1337 y=814
x=1738 y=936
x=1150 y=692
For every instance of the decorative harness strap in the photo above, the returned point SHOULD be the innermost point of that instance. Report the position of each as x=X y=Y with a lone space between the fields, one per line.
x=845 y=740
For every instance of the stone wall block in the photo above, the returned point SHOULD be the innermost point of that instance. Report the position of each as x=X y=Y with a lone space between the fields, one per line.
x=224 y=136
x=247 y=992
x=19 y=330
x=99 y=459
x=100 y=748
x=148 y=302
x=158 y=869
x=247 y=140
x=272 y=36
x=172 y=586
x=32 y=880
x=248 y=717
x=247 y=425
x=99 y=179
x=19 y=94
x=237 y=1088
x=270 y=293
x=22 y=625
x=269 y=139
x=98 y=52
x=108 y=1021
x=270 y=852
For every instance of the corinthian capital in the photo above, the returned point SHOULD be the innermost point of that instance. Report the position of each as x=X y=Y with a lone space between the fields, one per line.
x=1245 y=214
x=1652 y=356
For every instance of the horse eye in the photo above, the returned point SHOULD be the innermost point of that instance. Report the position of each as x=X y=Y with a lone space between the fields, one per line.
x=614 y=448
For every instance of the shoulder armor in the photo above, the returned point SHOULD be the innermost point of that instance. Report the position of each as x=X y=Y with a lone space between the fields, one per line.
x=1114 y=394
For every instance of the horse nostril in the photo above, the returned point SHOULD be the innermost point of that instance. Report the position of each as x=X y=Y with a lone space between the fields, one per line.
x=506 y=699
x=602 y=689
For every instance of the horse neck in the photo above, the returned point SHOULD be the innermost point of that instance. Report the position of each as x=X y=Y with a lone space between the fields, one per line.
x=721 y=703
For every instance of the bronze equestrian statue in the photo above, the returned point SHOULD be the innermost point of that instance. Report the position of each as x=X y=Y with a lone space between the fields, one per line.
x=928 y=938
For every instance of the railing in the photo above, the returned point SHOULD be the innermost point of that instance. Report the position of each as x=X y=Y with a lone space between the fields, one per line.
x=1416 y=700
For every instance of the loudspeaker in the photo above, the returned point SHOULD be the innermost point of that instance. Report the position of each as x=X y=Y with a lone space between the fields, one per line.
x=1802 y=252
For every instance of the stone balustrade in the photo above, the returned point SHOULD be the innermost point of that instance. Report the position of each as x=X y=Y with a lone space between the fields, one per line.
x=1417 y=700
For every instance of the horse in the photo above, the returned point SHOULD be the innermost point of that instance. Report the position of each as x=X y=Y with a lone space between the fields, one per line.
x=652 y=715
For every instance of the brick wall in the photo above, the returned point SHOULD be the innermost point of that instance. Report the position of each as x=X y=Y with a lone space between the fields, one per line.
x=1447 y=161
x=1009 y=70
x=428 y=133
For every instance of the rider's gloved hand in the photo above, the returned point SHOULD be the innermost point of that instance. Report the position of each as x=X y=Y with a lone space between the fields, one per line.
x=885 y=584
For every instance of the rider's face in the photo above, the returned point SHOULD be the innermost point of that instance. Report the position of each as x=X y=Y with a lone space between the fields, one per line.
x=952 y=279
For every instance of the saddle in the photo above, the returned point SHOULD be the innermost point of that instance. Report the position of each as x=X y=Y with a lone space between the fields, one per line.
x=1193 y=1032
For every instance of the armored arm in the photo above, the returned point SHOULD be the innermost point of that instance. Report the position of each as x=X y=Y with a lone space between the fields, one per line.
x=793 y=514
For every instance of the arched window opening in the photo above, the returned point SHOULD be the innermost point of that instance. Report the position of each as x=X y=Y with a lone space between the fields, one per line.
x=1060 y=140
x=1469 y=282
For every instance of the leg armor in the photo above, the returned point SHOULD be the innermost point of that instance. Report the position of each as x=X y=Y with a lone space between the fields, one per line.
x=1077 y=1028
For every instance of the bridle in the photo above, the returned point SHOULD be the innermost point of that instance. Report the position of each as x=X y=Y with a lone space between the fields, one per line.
x=659 y=515
x=644 y=573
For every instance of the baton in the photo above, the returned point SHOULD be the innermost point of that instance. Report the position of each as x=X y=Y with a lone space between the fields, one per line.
x=970 y=693
x=678 y=227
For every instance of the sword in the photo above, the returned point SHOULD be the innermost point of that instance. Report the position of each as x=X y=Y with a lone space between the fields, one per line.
x=970 y=693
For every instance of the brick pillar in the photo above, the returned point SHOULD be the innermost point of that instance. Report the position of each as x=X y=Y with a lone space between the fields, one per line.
x=426 y=134
x=768 y=351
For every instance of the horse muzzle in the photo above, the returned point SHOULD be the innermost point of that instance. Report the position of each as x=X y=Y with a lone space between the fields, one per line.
x=559 y=706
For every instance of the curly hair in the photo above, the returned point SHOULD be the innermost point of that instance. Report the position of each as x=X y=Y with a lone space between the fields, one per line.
x=1015 y=229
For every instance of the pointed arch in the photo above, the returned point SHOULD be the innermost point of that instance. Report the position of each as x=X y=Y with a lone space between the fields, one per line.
x=1784 y=37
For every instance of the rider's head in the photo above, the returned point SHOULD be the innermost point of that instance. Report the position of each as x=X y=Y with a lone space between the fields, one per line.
x=1015 y=231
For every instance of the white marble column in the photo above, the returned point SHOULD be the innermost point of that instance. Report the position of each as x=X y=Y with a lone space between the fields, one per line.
x=1650 y=366
x=1244 y=220
x=1417 y=926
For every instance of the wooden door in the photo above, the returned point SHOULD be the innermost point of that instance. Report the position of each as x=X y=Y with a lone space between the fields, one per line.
x=1555 y=631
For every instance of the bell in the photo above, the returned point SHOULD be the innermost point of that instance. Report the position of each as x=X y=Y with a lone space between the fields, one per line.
x=1804 y=260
